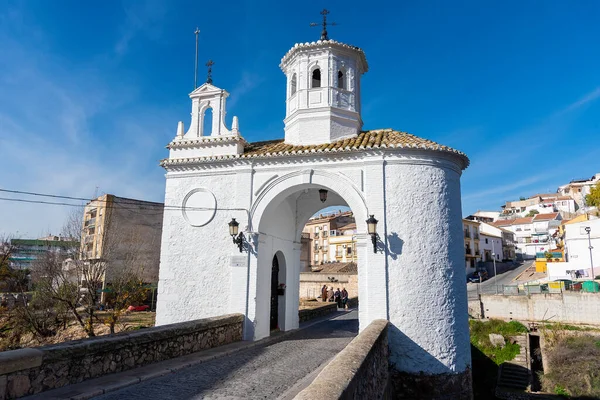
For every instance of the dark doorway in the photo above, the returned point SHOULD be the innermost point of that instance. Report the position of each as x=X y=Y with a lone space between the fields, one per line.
x=274 y=297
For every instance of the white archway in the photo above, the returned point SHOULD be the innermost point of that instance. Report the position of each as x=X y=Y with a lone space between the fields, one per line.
x=280 y=211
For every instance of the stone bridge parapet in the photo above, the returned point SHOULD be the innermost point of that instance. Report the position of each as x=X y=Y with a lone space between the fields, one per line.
x=30 y=371
x=360 y=371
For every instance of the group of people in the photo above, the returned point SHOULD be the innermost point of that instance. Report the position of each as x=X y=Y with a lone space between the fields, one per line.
x=338 y=296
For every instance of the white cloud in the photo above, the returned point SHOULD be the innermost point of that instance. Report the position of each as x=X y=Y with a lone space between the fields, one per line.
x=62 y=132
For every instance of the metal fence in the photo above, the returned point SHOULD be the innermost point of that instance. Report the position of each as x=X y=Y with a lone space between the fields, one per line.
x=550 y=287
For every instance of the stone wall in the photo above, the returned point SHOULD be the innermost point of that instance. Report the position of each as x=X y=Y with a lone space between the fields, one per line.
x=312 y=282
x=575 y=307
x=360 y=371
x=325 y=309
x=34 y=370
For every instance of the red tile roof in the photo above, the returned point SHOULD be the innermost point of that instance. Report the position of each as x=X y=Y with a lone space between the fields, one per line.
x=545 y=217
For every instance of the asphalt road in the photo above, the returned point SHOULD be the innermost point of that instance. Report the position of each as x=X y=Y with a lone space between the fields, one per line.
x=264 y=372
x=491 y=284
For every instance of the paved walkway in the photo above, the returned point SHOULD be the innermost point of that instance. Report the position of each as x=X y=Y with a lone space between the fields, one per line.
x=275 y=368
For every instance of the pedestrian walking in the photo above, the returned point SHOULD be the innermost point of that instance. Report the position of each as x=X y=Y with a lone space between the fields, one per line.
x=324 y=293
x=337 y=296
x=330 y=294
x=344 y=298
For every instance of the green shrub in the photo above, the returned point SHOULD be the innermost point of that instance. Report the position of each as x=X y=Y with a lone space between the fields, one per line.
x=480 y=331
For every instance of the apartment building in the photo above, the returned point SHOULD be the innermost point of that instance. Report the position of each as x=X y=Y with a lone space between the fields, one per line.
x=577 y=189
x=543 y=203
x=532 y=234
x=26 y=251
x=507 y=241
x=472 y=239
x=323 y=232
x=120 y=231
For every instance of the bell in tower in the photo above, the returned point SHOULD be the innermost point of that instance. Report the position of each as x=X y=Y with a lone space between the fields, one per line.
x=323 y=90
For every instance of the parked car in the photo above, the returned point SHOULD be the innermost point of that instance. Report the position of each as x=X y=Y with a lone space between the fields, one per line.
x=478 y=276
x=138 y=308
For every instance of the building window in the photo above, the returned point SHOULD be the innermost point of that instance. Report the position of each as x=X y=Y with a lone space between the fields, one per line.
x=293 y=85
x=316 y=258
x=486 y=241
x=316 y=78
x=340 y=83
x=324 y=257
x=338 y=251
x=349 y=250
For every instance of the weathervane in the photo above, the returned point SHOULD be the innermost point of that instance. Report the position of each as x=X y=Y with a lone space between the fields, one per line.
x=209 y=64
x=196 y=32
x=324 y=31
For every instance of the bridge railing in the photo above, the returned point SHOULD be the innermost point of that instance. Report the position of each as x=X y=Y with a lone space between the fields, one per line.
x=360 y=371
x=34 y=370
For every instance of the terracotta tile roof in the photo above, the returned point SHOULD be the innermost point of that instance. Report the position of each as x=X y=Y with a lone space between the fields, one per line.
x=524 y=220
x=365 y=140
x=502 y=222
x=351 y=225
x=376 y=139
x=545 y=217
x=336 y=267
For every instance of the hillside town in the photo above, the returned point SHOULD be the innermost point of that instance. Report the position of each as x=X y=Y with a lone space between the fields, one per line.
x=288 y=240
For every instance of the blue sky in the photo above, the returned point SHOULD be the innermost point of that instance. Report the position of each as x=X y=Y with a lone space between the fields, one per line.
x=91 y=92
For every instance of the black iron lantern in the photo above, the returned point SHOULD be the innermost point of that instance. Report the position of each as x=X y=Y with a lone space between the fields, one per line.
x=238 y=239
x=323 y=195
x=372 y=230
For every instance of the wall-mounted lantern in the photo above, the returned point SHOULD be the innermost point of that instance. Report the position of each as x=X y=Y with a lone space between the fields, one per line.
x=233 y=231
x=372 y=230
x=323 y=195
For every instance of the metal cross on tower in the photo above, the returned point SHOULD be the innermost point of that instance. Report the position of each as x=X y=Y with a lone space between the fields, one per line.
x=209 y=64
x=324 y=31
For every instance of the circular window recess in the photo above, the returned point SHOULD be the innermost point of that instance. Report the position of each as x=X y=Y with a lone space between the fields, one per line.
x=199 y=207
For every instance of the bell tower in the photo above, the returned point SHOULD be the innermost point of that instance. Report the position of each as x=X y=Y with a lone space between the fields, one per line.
x=323 y=90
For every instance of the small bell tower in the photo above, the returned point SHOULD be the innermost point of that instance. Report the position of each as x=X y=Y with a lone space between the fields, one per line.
x=323 y=90
x=203 y=139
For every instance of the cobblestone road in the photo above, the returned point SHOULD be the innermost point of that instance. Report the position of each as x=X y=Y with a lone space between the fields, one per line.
x=263 y=372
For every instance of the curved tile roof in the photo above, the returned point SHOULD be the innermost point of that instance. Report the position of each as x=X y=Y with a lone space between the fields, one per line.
x=376 y=139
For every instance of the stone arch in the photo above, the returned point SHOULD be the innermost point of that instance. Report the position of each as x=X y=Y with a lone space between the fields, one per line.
x=202 y=120
x=277 y=217
x=281 y=187
x=315 y=77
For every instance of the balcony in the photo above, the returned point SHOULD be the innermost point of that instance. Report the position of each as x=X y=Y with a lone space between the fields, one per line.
x=90 y=222
x=476 y=236
x=467 y=235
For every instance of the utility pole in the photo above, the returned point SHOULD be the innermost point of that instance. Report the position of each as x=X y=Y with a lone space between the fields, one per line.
x=494 y=260
x=196 y=32
x=588 y=230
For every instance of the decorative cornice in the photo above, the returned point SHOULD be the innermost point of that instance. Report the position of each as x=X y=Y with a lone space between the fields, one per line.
x=321 y=44
x=184 y=144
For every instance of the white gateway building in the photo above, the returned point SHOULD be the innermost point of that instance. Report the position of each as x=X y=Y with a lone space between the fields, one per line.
x=411 y=268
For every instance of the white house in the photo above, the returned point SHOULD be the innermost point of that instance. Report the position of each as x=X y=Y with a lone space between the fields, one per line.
x=491 y=247
x=263 y=193
x=578 y=238
x=508 y=240
x=579 y=188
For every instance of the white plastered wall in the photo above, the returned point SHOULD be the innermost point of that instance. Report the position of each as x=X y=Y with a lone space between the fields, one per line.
x=415 y=279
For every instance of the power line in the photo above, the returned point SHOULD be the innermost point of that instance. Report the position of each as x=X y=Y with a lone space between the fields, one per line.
x=108 y=204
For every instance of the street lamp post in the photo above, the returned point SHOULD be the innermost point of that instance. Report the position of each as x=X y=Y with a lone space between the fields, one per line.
x=588 y=230
x=494 y=260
